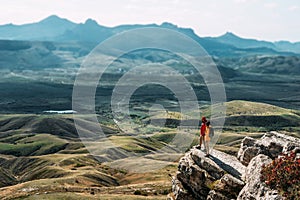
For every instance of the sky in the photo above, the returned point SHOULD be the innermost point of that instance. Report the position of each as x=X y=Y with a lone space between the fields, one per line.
x=271 y=20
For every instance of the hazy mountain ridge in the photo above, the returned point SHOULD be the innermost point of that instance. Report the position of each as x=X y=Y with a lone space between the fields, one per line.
x=27 y=55
x=232 y=39
x=56 y=29
x=277 y=64
x=45 y=29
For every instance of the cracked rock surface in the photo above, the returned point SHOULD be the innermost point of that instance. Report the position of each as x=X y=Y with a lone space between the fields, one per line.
x=225 y=177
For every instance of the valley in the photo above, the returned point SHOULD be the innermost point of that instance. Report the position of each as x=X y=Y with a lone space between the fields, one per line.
x=43 y=155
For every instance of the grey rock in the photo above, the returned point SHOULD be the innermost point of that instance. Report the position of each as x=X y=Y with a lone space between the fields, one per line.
x=213 y=195
x=197 y=174
x=192 y=177
x=246 y=153
x=229 y=186
x=179 y=192
x=225 y=177
x=254 y=188
x=208 y=165
x=271 y=144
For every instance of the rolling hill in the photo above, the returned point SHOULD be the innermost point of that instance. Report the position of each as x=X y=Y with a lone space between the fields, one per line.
x=43 y=154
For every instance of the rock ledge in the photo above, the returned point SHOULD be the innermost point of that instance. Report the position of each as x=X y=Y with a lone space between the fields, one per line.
x=226 y=177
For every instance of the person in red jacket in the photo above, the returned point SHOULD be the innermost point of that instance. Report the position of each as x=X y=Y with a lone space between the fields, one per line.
x=202 y=131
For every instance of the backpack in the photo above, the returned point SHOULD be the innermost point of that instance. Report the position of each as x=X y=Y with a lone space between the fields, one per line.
x=211 y=132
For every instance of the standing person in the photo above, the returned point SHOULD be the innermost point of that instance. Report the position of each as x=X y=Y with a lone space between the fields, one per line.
x=202 y=131
x=207 y=137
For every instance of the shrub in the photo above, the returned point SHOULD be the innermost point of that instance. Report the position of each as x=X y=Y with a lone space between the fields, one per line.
x=137 y=192
x=166 y=191
x=283 y=175
x=79 y=165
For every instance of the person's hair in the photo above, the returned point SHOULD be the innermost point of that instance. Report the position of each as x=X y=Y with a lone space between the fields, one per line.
x=207 y=123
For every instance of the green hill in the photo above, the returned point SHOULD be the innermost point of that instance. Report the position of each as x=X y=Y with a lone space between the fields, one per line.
x=43 y=154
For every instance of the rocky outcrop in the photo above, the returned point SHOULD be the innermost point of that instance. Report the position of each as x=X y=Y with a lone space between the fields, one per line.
x=225 y=177
x=271 y=144
x=255 y=154
x=254 y=188
x=200 y=177
x=228 y=187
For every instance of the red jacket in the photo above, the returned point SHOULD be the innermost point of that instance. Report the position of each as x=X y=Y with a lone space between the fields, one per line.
x=203 y=129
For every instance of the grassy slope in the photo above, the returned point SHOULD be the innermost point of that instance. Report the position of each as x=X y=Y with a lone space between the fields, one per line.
x=55 y=159
x=27 y=154
x=244 y=118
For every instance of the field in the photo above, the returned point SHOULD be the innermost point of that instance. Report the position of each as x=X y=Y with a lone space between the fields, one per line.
x=43 y=157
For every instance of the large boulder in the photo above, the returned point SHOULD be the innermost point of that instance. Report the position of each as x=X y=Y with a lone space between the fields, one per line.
x=227 y=188
x=179 y=192
x=199 y=177
x=271 y=144
x=192 y=178
x=255 y=189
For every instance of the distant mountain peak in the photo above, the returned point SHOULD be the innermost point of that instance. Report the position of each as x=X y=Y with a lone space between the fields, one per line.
x=52 y=18
x=230 y=35
x=168 y=25
x=91 y=22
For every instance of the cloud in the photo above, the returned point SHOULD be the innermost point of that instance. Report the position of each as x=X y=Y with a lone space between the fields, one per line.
x=271 y=5
x=293 y=8
x=245 y=1
x=240 y=1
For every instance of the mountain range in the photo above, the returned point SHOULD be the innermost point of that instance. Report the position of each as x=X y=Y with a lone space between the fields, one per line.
x=56 y=29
